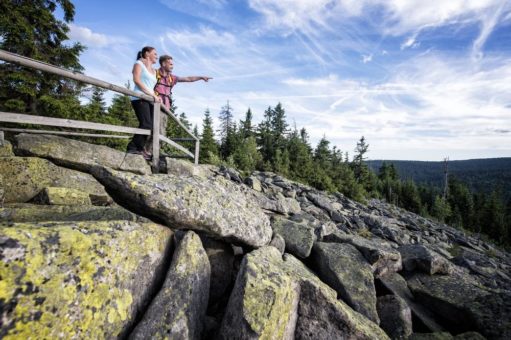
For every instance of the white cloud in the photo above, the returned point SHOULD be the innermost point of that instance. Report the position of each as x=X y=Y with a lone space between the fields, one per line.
x=91 y=39
x=367 y=58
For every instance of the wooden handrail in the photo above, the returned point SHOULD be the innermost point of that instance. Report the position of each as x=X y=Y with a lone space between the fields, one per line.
x=38 y=65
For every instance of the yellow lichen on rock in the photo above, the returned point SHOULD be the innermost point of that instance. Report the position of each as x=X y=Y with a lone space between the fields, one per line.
x=75 y=280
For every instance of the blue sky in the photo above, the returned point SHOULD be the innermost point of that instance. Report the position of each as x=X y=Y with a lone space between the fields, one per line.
x=421 y=80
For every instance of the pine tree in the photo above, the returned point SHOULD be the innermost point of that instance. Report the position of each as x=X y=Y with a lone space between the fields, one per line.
x=208 y=145
x=227 y=131
x=359 y=167
x=246 y=156
x=30 y=28
x=246 y=129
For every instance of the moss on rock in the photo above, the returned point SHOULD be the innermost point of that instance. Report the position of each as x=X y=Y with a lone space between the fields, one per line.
x=76 y=280
x=62 y=196
x=29 y=175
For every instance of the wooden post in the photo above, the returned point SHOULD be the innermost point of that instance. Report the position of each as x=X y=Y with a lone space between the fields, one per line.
x=156 y=137
x=1 y=138
x=197 y=146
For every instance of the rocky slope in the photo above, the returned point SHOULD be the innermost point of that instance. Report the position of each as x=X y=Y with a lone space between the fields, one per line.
x=94 y=246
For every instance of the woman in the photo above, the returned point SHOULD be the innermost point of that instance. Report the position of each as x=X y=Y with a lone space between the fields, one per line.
x=144 y=77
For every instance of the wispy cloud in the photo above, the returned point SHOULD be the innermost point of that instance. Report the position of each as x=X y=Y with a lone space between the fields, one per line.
x=92 y=39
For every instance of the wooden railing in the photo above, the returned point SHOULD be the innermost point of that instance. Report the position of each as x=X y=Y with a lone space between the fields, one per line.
x=78 y=124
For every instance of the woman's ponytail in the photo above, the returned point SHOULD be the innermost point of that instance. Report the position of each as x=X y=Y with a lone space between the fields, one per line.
x=141 y=53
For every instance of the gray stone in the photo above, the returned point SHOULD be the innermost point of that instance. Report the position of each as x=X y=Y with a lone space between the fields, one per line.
x=379 y=253
x=78 y=155
x=421 y=258
x=253 y=183
x=78 y=279
x=25 y=177
x=25 y=212
x=431 y=336
x=278 y=242
x=333 y=320
x=62 y=196
x=463 y=304
x=396 y=284
x=178 y=310
x=276 y=298
x=263 y=303
x=299 y=237
x=344 y=269
x=216 y=207
x=395 y=316
x=181 y=167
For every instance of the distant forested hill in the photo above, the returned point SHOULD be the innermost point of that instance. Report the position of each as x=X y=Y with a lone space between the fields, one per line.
x=478 y=174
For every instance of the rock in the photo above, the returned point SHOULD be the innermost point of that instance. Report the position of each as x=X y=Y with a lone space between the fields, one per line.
x=29 y=175
x=6 y=149
x=396 y=284
x=263 y=303
x=253 y=183
x=298 y=237
x=395 y=316
x=62 y=196
x=333 y=320
x=343 y=268
x=181 y=167
x=25 y=212
x=321 y=201
x=421 y=258
x=78 y=279
x=279 y=299
x=221 y=260
x=283 y=206
x=214 y=206
x=379 y=253
x=278 y=242
x=469 y=336
x=178 y=310
x=79 y=155
x=463 y=304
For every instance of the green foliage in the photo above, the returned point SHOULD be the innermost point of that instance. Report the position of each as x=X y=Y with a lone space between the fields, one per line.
x=30 y=28
x=208 y=146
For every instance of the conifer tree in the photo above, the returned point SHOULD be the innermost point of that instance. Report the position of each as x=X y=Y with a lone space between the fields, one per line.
x=246 y=129
x=208 y=144
x=30 y=28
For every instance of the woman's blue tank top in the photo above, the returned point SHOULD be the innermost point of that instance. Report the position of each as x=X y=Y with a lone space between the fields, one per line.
x=148 y=79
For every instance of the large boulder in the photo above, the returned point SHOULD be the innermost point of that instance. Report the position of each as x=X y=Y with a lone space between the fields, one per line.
x=178 y=311
x=263 y=303
x=379 y=253
x=298 y=237
x=62 y=196
x=395 y=284
x=279 y=298
x=25 y=177
x=78 y=279
x=181 y=167
x=344 y=268
x=78 y=155
x=395 y=316
x=463 y=304
x=416 y=256
x=213 y=206
x=26 y=212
